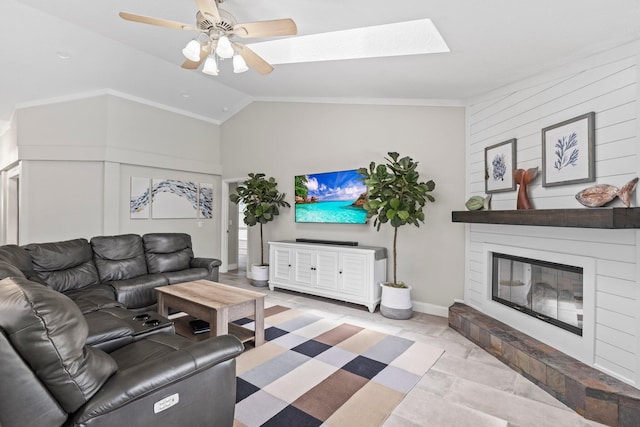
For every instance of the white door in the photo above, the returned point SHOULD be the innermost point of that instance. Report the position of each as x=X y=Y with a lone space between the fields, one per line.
x=281 y=264
x=353 y=274
x=304 y=272
x=327 y=270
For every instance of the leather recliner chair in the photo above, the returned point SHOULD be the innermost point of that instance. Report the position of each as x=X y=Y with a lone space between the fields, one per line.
x=50 y=377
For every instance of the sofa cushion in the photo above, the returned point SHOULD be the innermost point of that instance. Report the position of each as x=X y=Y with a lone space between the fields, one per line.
x=167 y=251
x=92 y=298
x=119 y=257
x=14 y=254
x=9 y=270
x=64 y=265
x=49 y=332
x=108 y=331
x=19 y=258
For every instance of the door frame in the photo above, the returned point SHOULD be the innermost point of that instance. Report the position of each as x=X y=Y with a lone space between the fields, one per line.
x=224 y=214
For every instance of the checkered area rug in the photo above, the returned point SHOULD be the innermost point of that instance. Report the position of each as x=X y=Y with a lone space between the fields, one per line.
x=314 y=371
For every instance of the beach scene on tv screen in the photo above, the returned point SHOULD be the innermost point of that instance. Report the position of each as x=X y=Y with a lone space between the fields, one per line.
x=333 y=197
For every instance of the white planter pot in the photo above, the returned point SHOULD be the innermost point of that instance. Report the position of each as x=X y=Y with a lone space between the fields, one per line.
x=259 y=275
x=396 y=302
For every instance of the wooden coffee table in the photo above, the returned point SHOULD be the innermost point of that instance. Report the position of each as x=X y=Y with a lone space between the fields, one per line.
x=217 y=304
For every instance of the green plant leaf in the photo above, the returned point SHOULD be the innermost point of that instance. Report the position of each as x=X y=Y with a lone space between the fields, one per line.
x=395 y=193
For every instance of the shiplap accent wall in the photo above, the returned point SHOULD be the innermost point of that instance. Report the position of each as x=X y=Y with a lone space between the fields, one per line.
x=607 y=84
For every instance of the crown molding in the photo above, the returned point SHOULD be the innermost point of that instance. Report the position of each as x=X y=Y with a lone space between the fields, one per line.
x=369 y=101
x=118 y=94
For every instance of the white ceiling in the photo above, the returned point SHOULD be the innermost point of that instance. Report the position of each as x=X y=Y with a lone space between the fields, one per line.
x=492 y=43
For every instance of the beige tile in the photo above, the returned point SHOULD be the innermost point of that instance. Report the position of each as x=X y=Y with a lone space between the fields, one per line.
x=425 y=409
x=436 y=383
x=398 y=421
x=471 y=370
x=480 y=355
x=525 y=388
x=517 y=410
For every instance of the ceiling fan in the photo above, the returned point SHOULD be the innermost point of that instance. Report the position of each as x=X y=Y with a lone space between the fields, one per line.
x=217 y=27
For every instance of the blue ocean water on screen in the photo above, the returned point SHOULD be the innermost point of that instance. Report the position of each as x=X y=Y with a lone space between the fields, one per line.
x=334 y=212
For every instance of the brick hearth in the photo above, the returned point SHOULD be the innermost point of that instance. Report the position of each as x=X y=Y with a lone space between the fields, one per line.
x=593 y=394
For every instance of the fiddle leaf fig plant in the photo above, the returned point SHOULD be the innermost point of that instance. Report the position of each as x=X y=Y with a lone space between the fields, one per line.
x=396 y=196
x=261 y=200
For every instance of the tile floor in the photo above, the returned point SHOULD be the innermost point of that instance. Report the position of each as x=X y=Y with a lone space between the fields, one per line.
x=466 y=387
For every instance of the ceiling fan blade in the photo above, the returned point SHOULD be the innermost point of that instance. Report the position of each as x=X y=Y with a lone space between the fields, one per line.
x=275 y=27
x=252 y=59
x=157 y=21
x=205 y=50
x=209 y=8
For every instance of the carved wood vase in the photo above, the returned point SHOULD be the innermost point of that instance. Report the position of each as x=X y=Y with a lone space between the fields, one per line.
x=523 y=177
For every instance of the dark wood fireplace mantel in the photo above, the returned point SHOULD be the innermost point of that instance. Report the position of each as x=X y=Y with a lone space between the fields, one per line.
x=580 y=218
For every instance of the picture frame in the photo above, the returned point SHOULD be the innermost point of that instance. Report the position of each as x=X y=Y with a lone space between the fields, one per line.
x=568 y=151
x=499 y=163
x=205 y=200
x=173 y=199
x=140 y=198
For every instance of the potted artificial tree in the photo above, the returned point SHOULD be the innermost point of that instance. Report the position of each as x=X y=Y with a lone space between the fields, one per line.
x=396 y=196
x=261 y=201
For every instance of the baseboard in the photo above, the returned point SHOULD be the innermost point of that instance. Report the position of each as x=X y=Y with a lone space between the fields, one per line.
x=232 y=266
x=435 y=310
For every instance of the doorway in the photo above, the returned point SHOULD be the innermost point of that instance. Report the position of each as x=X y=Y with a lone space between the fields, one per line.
x=11 y=223
x=242 y=240
x=235 y=238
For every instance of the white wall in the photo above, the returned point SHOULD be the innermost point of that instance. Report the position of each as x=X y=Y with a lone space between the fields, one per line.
x=287 y=139
x=77 y=158
x=9 y=145
x=607 y=84
x=60 y=200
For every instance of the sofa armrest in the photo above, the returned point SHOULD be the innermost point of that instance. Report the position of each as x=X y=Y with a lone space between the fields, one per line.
x=138 y=292
x=211 y=264
x=124 y=397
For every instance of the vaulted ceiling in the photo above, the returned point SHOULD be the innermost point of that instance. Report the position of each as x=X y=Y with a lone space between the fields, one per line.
x=491 y=42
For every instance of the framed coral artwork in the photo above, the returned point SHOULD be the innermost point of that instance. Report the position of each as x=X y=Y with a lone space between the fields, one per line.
x=499 y=163
x=568 y=151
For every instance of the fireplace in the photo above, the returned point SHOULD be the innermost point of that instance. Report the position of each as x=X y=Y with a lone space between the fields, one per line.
x=547 y=295
x=548 y=291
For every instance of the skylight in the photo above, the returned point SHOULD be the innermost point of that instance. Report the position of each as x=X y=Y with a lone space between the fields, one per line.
x=398 y=39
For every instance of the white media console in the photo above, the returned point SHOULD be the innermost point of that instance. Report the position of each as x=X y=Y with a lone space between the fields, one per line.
x=346 y=273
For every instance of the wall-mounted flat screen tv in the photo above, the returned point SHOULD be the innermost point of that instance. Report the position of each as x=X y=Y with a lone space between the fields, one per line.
x=331 y=197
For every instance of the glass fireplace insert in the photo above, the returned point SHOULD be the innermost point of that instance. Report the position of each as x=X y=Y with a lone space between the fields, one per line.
x=548 y=291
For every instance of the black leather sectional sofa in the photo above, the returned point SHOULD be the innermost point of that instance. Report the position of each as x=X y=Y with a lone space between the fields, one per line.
x=81 y=345
x=108 y=277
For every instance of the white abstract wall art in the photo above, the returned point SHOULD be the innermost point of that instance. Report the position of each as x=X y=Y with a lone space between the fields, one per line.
x=174 y=199
x=206 y=201
x=139 y=200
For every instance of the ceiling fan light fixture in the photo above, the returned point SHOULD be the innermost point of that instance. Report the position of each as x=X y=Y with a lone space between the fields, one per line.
x=192 y=51
x=224 y=49
x=239 y=65
x=210 y=66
